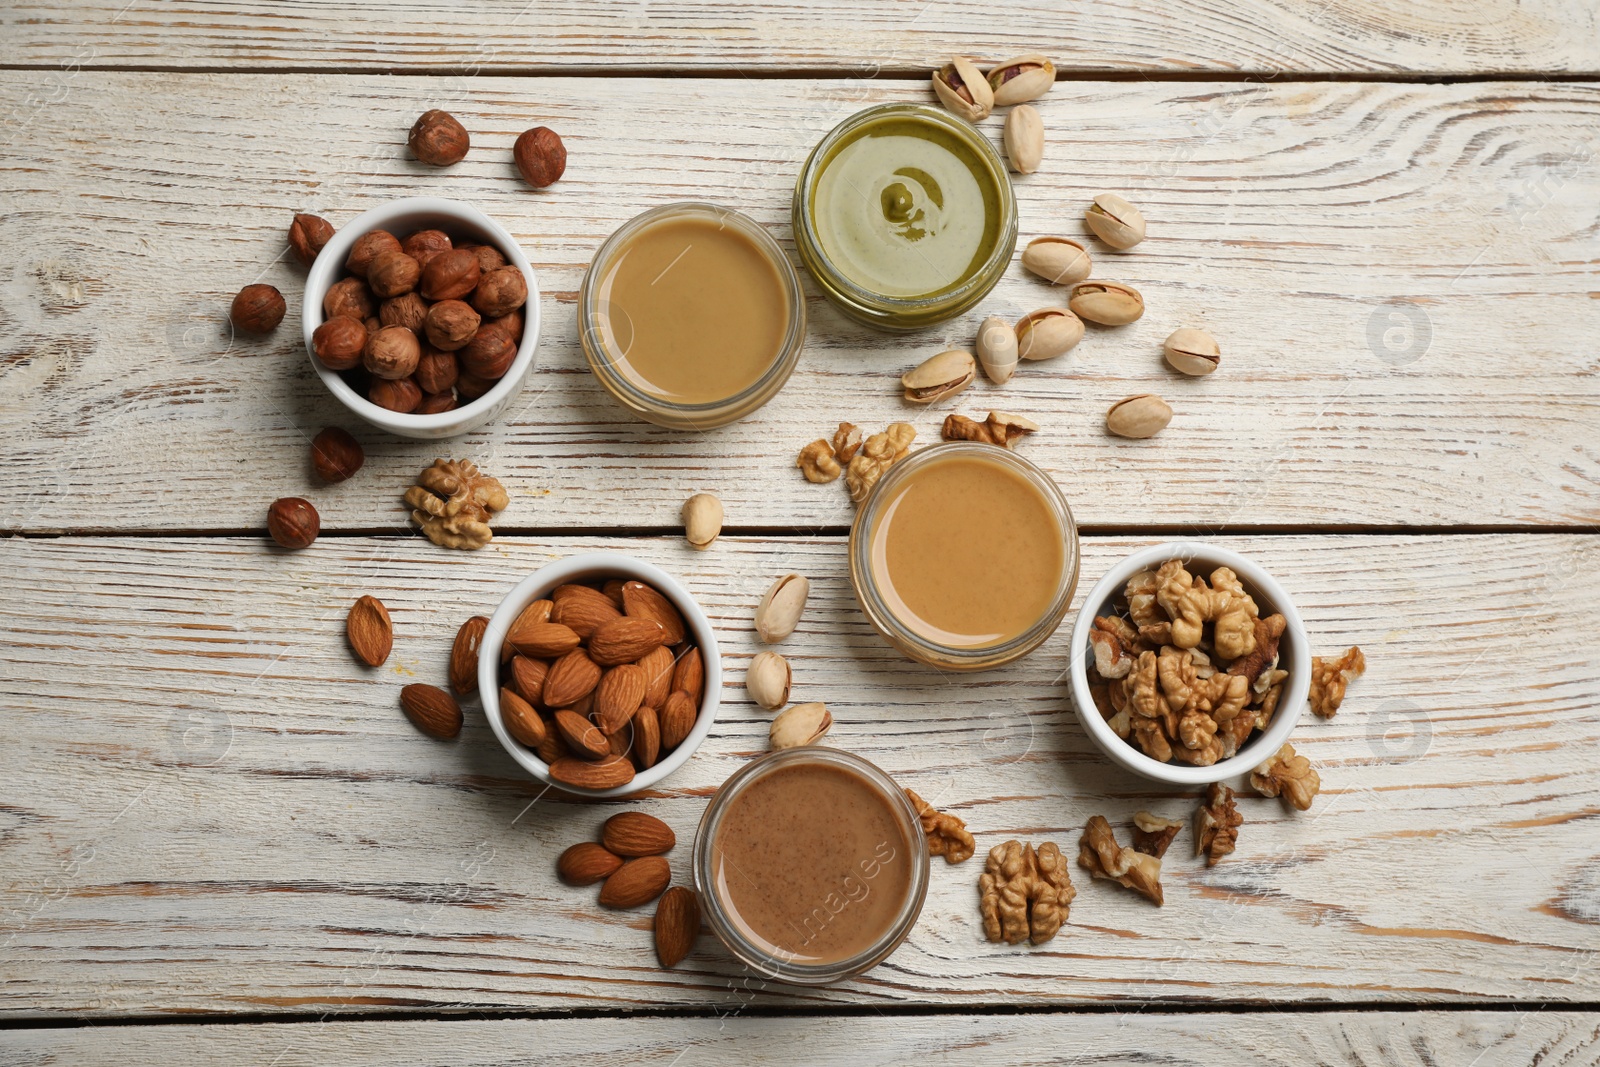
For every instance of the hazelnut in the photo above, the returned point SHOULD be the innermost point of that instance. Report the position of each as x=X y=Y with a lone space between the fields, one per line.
x=470 y=387
x=373 y=325
x=293 y=522
x=392 y=353
x=425 y=244
x=434 y=403
x=392 y=274
x=450 y=324
x=489 y=257
x=349 y=297
x=540 y=155
x=450 y=275
x=407 y=309
x=500 y=291
x=437 y=138
x=402 y=396
x=436 y=370
x=339 y=343
x=511 y=323
x=257 y=309
x=489 y=354
x=367 y=248
x=307 y=235
x=336 y=455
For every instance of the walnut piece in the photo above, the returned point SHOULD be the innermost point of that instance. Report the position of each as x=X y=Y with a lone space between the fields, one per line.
x=1116 y=646
x=1330 y=678
x=1216 y=824
x=1269 y=631
x=1152 y=834
x=817 y=462
x=947 y=835
x=1288 y=776
x=1000 y=428
x=453 y=503
x=1099 y=853
x=878 y=453
x=846 y=442
x=1024 y=894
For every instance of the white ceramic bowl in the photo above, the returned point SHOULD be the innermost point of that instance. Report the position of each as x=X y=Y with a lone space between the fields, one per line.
x=583 y=567
x=1293 y=656
x=402 y=217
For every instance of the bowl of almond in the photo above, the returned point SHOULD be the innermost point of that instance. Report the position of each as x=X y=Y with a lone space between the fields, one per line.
x=599 y=674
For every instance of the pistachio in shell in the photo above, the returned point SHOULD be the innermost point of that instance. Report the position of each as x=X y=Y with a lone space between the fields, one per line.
x=1192 y=351
x=997 y=349
x=1108 y=303
x=1057 y=260
x=1021 y=79
x=1115 y=221
x=1048 y=333
x=945 y=374
x=1024 y=138
x=1140 y=415
x=801 y=724
x=962 y=89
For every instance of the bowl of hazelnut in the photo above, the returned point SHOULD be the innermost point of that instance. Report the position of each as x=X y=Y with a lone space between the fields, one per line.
x=422 y=317
x=1190 y=663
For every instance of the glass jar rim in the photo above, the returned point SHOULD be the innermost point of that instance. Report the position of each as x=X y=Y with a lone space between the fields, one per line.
x=900 y=634
x=599 y=354
x=1005 y=247
x=753 y=955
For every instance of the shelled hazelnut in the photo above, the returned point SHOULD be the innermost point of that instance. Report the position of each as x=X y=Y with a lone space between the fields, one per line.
x=393 y=274
x=392 y=353
x=438 y=138
x=541 y=156
x=307 y=235
x=293 y=522
x=368 y=247
x=407 y=309
x=500 y=292
x=349 y=297
x=425 y=244
x=336 y=455
x=450 y=324
x=403 y=395
x=257 y=309
x=339 y=342
x=450 y=275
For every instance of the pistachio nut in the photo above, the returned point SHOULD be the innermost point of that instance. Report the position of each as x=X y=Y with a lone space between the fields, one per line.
x=802 y=724
x=1115 y=221
x=1024 y=78
x=767 y=680
x=963 y=90
x=1024 y=138
x=1057 y=260
x=1108 y=303
x=997 y=349
x=1048 y=333
x=1192 y=351
x=702 y=519
x=1142 y=415
x=779 y=612
x=944 y=375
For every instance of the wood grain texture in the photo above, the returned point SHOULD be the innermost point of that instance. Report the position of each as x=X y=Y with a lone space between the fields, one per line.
x=1401 y=277
x=208 y=807
x=1270 y=36
x=1549 y=1038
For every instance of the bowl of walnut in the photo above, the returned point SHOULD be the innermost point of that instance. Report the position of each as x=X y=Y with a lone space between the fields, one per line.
x=1189 y=663
x=422 y=316
x=599 y=674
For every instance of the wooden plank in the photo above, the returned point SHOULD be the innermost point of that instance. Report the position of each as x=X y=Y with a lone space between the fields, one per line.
x=1400 y=277
x=209 y=808
x=1247 y=1039
x=517 y=36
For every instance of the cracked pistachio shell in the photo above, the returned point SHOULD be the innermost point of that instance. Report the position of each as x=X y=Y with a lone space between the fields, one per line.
x=1024 y=138
x=1192 y=351
x=1018 y=80
x=1108 y=303
x=1143 y=415
x=943 y=375
x=780 y=609
x=1048 y=333
x=702 y=519
x=768 y=679
x=997 y=349
x=1057 y=260
x=962 y=89
x=1115 y=221
x=799 y=725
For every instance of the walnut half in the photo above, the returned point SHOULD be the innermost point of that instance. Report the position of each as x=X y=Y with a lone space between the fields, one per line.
x=453 y=503
x=1102 y=857
x=947 y=835
x=1289 y=776
x=1216 y=824
x=1330 y=678
x=1025 y=893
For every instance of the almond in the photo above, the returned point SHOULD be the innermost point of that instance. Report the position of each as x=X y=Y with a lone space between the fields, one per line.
x=431 y=709
x=522 y=721
x=657 y=667
x=528 y=677
x=677 y=719
x=582 y=736
x=618 y=696
x=646 y=737
x=613 y=591
x=464 y=655
x=636 y=882
x=543 y=640
x=622 y=740
x=369 y=631
x=552 y=749
x=587 y=863
x=607 y=773
x=538 y=611
x=571 y=678
x=625 y=640
x=584 y=614
x=573 y=590
x=633 y=833
x=640 y=601
x=690 y=675
x=677 y=925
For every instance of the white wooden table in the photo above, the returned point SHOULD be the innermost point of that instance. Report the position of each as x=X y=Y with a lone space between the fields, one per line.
x=1388 y=214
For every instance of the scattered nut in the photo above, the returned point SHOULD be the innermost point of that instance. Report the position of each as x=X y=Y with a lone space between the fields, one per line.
x=437 y=138
x=780 y=610
x=1216 y=824
x=818 y=463
x=1108 y=303
x=943 y=375
x=1287 y=775
x=768 y=679
x=293 y=522
x=1001 y=428
x=997 y=349
x=1024 y=138
x=307 y=235
x=1018 y=80
x=1048 y=333
x=257 y=309
x=1057 y=260
x=802 y=724
x=336 y=455
x=846 y=442
x=1139 y=416
x=877 y=455
x=431 y=710
x=702 y=519
x=1192 y=351
x=369 y=630
x=540 y=156
x=1025 y=894
x=947 y=835
x=1115 y=221
x=1152 y=834
x=1330 y=678
x=1102 y=857
x=677 y=925
x=962 y=89
x=452 y=503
